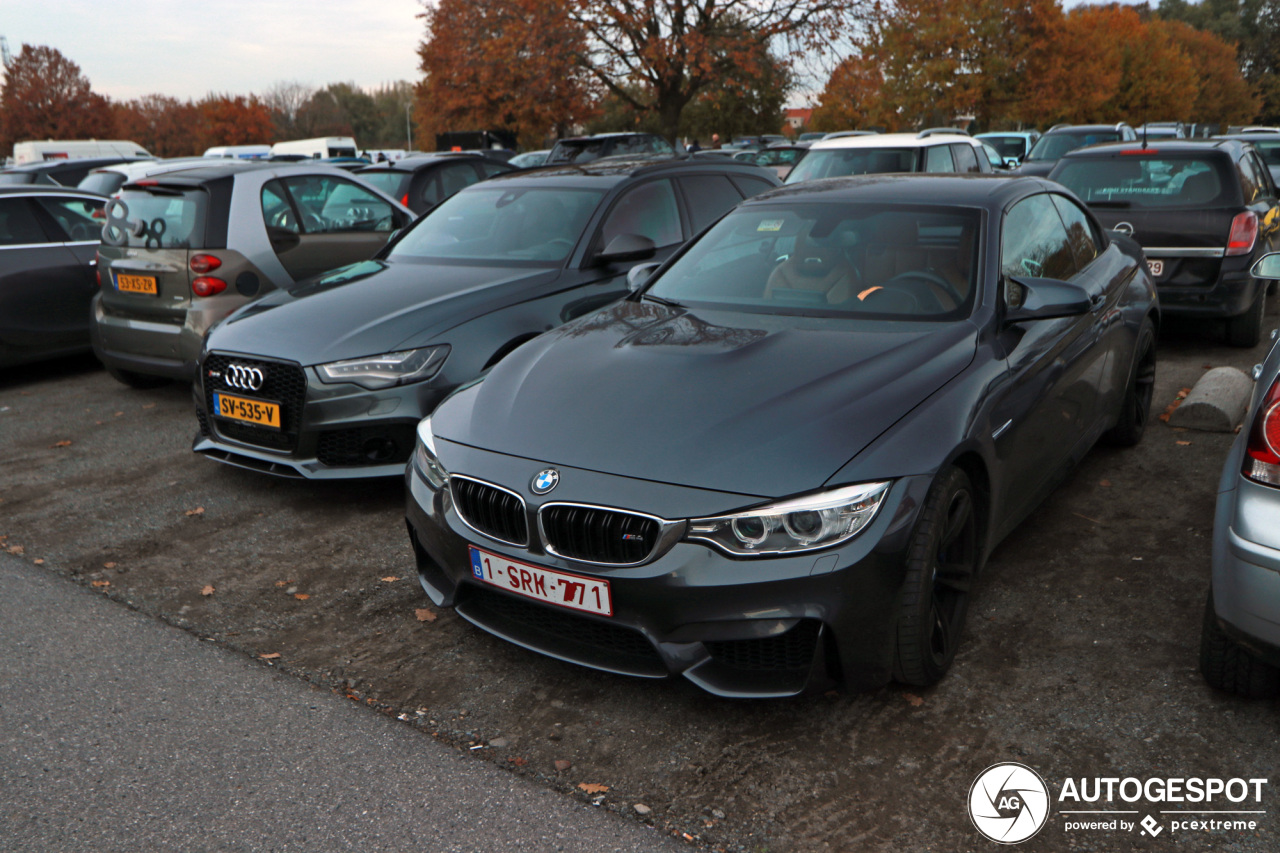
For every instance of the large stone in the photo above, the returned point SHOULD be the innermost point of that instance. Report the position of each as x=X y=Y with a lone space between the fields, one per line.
x=1217 y=403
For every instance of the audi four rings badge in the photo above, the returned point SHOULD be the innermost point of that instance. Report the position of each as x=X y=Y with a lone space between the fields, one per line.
x=244 y=377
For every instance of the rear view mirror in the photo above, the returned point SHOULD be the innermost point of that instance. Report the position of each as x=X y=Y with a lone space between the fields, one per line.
x=639 y=275
x=1268 y=266
x=627 y=247
x=1046 y=299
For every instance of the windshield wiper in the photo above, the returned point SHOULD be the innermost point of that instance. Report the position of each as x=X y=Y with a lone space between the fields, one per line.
x=668 y=302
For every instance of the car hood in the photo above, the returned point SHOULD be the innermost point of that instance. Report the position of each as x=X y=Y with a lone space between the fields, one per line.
x=371 y=307
x=760 y=405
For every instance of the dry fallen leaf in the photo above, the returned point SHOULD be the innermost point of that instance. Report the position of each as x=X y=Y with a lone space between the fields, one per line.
x=1104 y=483
x=101 y=584
x=108 y=565
x=270 y=656
x=518 y=762
x=562 y=765
x=914 y=700
x=283 y=583
x=1182 y=443
x=39 y=561
x=208 y=590
x=118 y=414
x=390 y=579
x=592 y=788
x=301 y=596
x=15 y=549
x=197 y=511
x=63 y=443
x=424 y=615
x=148 y=405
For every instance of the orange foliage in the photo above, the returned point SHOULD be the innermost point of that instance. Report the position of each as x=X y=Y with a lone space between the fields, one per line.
x=1224 y=97
x=46 y=97
x=234 y=120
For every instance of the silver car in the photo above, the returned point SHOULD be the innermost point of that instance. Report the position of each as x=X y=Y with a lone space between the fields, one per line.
x=1240 y=642
x=182 y=250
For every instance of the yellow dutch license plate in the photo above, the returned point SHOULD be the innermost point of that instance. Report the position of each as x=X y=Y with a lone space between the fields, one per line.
x=136 y=284
x=245 y=410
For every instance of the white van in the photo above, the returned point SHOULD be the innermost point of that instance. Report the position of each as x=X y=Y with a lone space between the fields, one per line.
x=75 y=149
x=324 y=146
x=239 y=152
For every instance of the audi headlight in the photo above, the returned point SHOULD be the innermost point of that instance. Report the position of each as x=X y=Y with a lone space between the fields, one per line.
x=801 y=524
x=384 y=371
x=425 y=459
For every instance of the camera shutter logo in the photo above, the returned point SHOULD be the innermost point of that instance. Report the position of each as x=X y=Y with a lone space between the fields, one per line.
x=244 y=377
x=1009 y=803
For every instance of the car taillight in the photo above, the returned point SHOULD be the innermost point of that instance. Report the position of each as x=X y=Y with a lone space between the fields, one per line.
x=1244 y=231
x=405 y=200
x=201 y=264
x=207 y=286
x=1262 y=455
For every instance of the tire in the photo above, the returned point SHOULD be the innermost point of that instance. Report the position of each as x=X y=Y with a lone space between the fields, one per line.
x=1135 y=408
x=140 y=381
x=941 y=562
x=1246 y=330
x=1228 y=666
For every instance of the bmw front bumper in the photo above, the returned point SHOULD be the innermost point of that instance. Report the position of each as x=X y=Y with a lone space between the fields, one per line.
x=742 y=627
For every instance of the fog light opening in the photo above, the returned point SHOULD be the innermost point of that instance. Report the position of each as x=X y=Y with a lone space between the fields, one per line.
x=379 y=449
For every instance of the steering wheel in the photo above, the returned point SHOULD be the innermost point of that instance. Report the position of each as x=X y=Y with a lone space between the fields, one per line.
x=928 y=277
x=313 y=221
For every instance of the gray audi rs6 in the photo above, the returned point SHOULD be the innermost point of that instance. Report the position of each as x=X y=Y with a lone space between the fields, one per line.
x=782 y=460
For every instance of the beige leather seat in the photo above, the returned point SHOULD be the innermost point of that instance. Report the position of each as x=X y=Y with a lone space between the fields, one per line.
x=822 y=269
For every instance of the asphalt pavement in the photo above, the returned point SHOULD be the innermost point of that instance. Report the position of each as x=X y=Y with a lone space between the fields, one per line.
x=118 y=732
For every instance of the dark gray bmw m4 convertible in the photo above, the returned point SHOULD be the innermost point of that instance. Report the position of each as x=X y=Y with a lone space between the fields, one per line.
x=783 y=459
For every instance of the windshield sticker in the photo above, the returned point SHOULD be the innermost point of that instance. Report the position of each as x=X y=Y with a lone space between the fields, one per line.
x=770 y=225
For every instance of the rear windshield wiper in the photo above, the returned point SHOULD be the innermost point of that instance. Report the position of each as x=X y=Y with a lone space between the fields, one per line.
x=1115 y=204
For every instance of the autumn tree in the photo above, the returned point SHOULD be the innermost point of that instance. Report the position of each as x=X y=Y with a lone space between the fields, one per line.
x=659 y=55
x=164 y=126
x=1253 y=28
x=46 y=97
x=233 y=120
x=854 y=98
x=502 y=64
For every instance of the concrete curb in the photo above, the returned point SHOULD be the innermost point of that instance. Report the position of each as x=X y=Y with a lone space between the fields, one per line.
x=1217 y=403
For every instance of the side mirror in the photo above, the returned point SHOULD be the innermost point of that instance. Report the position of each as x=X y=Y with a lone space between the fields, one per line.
x=1047 y=299
x=639 y=275
x=1268 y=266
x=627 y=247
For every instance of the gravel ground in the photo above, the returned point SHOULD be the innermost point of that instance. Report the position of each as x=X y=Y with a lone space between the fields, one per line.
x=1079 y=659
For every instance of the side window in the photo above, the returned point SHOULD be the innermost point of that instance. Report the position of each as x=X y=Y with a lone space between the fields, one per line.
x=937 y=158
x=966 y=160
x=75 y=216
x=455 y=177
x=1252 y=184
x=1034 y=243
x=709 y=197
x=18 y=225
x=330 y=205
x=490 y=169
x=1266 y=183
x=1084 y=242
x=750 y=186
x=277 y=212
x=658 y=145
x=648 y=210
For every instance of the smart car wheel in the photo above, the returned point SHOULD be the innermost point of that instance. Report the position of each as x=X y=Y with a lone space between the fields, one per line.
x=940 y=566
x=1135 y=408
x=1227 y=666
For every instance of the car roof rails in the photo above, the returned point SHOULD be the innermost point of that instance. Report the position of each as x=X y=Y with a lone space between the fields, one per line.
x=937 y=131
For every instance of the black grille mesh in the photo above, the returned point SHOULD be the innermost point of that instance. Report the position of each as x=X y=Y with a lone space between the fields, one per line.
x=564 y=625
x=285 y=384
x=491 y=511
x=204 y=421
x=380 y=445
x=599 y=535
x=789 y=651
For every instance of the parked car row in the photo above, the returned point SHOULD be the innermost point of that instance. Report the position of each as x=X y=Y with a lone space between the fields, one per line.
x=664 y=416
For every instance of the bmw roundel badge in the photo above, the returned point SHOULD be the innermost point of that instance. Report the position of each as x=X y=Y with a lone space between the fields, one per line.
x=545 y=481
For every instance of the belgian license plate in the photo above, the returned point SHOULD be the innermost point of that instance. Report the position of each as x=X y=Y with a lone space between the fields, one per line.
x=1156 y=267
x=257 y=412
x=560 y=588
x=136 y=284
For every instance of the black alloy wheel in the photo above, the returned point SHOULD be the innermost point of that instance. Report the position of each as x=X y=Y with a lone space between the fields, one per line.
x=1135 y=408
x=941 y=564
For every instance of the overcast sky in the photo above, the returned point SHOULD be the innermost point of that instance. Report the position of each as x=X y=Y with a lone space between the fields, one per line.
x=188 y=49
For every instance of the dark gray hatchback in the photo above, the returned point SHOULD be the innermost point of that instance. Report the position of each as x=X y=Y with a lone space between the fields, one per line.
x=329 y=378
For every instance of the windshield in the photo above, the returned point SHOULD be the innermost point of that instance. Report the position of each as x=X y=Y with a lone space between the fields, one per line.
x=838 y=162
x=1055 y=145
x=104 y=182
x=1134 y=180
x=163 y=220
x=1268 y=151
x=502 y=225
x=387 y=180
x=1007 y=146
x=846 y=260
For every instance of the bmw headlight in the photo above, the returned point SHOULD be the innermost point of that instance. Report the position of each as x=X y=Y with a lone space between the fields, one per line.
x=384 y=371
x=425 y=459
x=800 y=524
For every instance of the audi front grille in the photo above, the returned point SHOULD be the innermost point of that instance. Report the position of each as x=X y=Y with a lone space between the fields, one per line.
x=282 y=383
x=489 y=510
x=597 y=534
